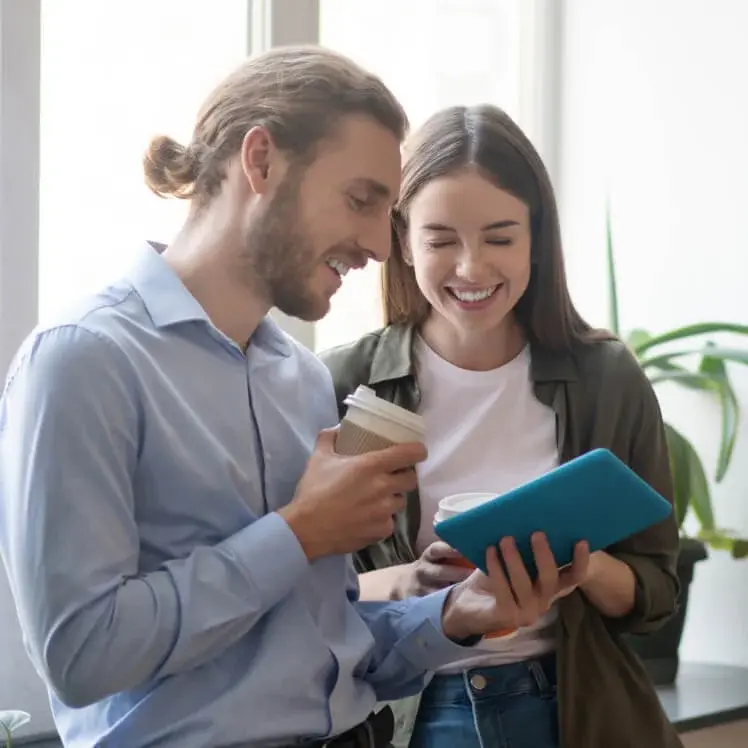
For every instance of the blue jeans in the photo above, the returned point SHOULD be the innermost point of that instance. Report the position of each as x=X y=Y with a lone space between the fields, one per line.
x=492 y=707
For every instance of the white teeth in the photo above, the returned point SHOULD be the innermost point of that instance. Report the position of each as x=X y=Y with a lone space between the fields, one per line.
x=339 y=267
x=473 y=296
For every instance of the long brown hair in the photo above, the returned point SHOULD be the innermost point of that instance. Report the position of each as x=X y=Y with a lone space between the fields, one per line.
x=299 y=93
x=485 y=138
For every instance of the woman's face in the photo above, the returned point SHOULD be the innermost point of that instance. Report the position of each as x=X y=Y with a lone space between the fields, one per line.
x=469 y=244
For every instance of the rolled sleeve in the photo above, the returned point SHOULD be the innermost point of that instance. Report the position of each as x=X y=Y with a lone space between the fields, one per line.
x=652 y=554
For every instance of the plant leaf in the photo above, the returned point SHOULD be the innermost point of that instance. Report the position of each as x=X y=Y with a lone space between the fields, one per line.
x=690 y=331
x=690 y=486
x=724 y=540
x=736 y=355
x=686 y=377
x=12 y=720
x=636 y=338
x=740 y=548
x=717 y=371
x=678 y=450
x=701 y=499
x=692 y=379
x=613 y=320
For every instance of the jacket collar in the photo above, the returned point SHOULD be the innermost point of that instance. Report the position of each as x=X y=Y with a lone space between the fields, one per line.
x=169 y=303
x=394 y=359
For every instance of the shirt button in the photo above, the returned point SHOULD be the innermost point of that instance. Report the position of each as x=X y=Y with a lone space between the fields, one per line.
x=478 y=682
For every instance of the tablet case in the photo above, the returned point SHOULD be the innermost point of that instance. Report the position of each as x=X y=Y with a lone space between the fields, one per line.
x=595 y=497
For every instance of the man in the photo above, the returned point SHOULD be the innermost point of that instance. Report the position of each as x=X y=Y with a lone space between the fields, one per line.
x=174 y=525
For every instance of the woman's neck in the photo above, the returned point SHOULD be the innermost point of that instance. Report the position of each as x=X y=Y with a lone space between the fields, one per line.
x=474 y=350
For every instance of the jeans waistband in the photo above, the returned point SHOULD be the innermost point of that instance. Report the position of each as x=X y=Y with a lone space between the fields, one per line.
x=535 y=676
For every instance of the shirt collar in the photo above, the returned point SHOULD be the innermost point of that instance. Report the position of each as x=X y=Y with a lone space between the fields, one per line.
x=394 y=359
x=169 y=303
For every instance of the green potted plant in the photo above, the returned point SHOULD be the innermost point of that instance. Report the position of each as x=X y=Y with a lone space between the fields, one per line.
x=10 y=721
x=687 y=356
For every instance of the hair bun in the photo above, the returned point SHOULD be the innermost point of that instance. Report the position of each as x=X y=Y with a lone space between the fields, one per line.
x=170 y=168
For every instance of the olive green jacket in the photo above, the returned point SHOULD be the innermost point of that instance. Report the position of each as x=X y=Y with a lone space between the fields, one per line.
x=601 y=398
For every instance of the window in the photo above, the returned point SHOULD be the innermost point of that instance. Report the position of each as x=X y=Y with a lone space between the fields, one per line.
x=431 y=53
x=113 y=75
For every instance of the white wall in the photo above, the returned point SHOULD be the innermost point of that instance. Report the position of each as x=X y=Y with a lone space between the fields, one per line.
x=655 y=112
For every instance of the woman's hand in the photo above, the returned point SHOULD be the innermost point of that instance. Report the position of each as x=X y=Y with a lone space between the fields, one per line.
x=496 y=602
x=438 y=567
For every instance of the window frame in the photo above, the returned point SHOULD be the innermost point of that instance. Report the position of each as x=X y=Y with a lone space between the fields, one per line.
x=271 y=23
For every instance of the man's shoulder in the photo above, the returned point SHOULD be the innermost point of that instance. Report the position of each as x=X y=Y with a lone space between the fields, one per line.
x=101 y=314
x=83 y=335
x=308 y=363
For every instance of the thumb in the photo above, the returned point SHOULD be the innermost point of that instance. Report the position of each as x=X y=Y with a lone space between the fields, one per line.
x=326 y=440
x=440 y=551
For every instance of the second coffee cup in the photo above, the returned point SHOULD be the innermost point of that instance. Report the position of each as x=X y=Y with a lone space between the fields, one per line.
x=451 y=506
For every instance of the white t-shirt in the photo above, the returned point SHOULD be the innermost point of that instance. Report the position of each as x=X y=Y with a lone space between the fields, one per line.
x=485 y=431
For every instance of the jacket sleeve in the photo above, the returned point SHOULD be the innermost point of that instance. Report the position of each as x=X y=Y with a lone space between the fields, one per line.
x=350 y=366
x=652 y=554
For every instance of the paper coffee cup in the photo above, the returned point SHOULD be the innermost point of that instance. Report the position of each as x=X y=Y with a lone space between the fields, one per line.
x=451 y=506
x=371 y=423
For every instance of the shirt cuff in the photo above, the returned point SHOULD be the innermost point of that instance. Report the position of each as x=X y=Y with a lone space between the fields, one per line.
x=272 y=556
x=424 y=645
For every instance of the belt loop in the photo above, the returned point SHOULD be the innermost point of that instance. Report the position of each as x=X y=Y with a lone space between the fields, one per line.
x=540 y=678
x=369 y=736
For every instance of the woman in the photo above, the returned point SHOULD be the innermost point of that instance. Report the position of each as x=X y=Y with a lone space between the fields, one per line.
x=483 y=340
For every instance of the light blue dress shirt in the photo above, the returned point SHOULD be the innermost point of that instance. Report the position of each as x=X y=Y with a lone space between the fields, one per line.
x=162 y=598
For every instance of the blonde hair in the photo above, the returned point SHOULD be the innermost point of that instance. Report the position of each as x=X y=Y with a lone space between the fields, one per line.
x=299 y=93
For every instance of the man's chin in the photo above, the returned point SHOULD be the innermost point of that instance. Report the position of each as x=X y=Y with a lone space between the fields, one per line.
x=310 y=312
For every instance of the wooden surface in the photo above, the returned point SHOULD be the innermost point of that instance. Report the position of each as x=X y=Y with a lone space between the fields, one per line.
x=734 y=735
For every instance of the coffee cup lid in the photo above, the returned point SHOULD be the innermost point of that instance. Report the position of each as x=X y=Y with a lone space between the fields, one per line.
x=462 y=502
x=366 y=399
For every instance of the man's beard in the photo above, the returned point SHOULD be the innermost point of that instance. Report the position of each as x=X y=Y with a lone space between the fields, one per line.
x=281 y=256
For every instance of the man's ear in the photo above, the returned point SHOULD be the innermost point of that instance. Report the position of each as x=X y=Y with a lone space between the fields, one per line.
x=262 y=163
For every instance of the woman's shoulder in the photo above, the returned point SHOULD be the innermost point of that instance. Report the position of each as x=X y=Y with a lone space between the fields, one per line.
x=611 y=361
x=611 y=377
x=351 y=362
x=379 y=356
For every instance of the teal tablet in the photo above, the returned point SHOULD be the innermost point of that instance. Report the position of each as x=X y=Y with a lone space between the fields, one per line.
x=595 y=497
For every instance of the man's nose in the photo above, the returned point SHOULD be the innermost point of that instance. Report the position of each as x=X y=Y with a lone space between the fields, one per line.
x=378 y=241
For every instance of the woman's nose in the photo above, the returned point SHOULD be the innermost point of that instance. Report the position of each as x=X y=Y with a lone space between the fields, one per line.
x=471 y=264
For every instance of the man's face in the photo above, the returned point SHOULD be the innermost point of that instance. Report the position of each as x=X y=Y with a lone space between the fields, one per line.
x=327 y=219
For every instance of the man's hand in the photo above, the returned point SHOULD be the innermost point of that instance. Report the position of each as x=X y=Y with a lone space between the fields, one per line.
x=438 y=567
x=343 y=504
x=485 y=603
